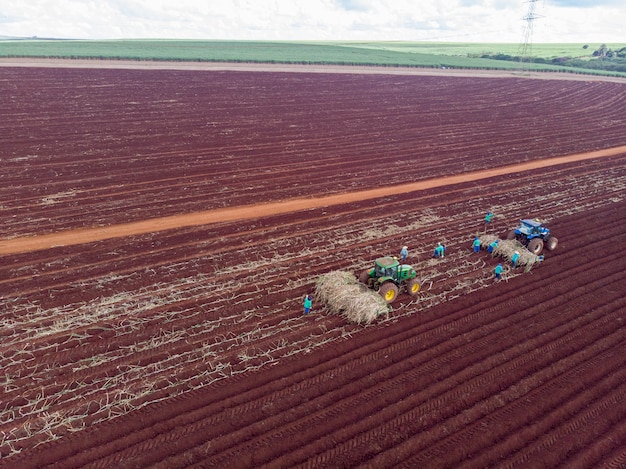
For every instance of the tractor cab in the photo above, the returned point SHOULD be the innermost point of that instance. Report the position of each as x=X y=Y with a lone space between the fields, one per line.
x=532 y=228
x=386 y=267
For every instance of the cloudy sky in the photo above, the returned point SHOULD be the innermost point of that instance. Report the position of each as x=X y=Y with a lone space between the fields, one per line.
x=588 y=21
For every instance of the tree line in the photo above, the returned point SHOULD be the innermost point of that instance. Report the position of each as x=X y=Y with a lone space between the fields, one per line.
x=603 y=58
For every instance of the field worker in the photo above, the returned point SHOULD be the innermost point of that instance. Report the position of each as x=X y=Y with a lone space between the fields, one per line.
x=308 y=302
x=488 y=219
x=476 y=244
x=492 y=246
x=515 y=258
x=404 y=252
x=498 y=271
x=439 y=250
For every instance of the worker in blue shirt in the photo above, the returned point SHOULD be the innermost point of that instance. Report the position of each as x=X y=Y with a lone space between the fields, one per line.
x=493 y=245
x=308 y=302
x=488 y=219
x=439 y=250
x=515 y=258
x=476 y=244
x=498 y=271
x=404 y=252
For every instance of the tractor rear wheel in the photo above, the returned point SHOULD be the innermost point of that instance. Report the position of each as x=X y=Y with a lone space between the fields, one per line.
x=535 y=246
x=389 y=291
x=552 y=243
x=413 y=286
x=511 y=235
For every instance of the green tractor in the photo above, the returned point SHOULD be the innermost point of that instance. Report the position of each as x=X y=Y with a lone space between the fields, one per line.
x=388 y=277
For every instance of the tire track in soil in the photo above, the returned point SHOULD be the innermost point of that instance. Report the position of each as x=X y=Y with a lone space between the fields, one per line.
x=451 y=452
x=595 y=452
x=468 y=425
x=584 y=383
x=554 y=450
x=82 y=236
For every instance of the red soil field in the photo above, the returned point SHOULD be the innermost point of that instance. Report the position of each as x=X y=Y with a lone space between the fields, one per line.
x=186 y=345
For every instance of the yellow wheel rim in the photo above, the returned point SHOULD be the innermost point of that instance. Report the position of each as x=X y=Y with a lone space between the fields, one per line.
x=415 y=288
x=390 y=295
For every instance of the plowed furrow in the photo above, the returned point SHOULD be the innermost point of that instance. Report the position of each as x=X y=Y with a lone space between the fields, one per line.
x=579 y=431
x=526 y=416
x=414 y=422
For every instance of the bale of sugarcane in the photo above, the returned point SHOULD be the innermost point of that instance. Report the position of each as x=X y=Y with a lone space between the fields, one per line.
x=342 y=294
x=507 y=247
x=487 y=239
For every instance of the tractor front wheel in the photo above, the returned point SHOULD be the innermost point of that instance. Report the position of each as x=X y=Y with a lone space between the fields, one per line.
x=511 y=235
x=535 y=246
x=389 y=291
x=552 y=243
x=413 y=286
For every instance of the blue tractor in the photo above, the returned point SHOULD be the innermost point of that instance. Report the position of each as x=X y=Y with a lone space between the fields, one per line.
x=534 y=235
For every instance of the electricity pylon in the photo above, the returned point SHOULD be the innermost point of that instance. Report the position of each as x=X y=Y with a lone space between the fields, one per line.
x=525 y=49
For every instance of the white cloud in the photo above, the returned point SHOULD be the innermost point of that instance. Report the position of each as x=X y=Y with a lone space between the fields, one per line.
x=408 y=20
x=597 y=24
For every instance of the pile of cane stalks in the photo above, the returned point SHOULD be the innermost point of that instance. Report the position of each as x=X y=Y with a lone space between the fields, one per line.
x=341 y=293
x=506 y=248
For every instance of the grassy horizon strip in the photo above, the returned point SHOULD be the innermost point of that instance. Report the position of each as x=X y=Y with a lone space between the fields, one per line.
x=405 y=54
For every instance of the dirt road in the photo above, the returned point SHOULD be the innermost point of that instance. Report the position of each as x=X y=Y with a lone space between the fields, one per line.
x=295 y=68
x=248 y=212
